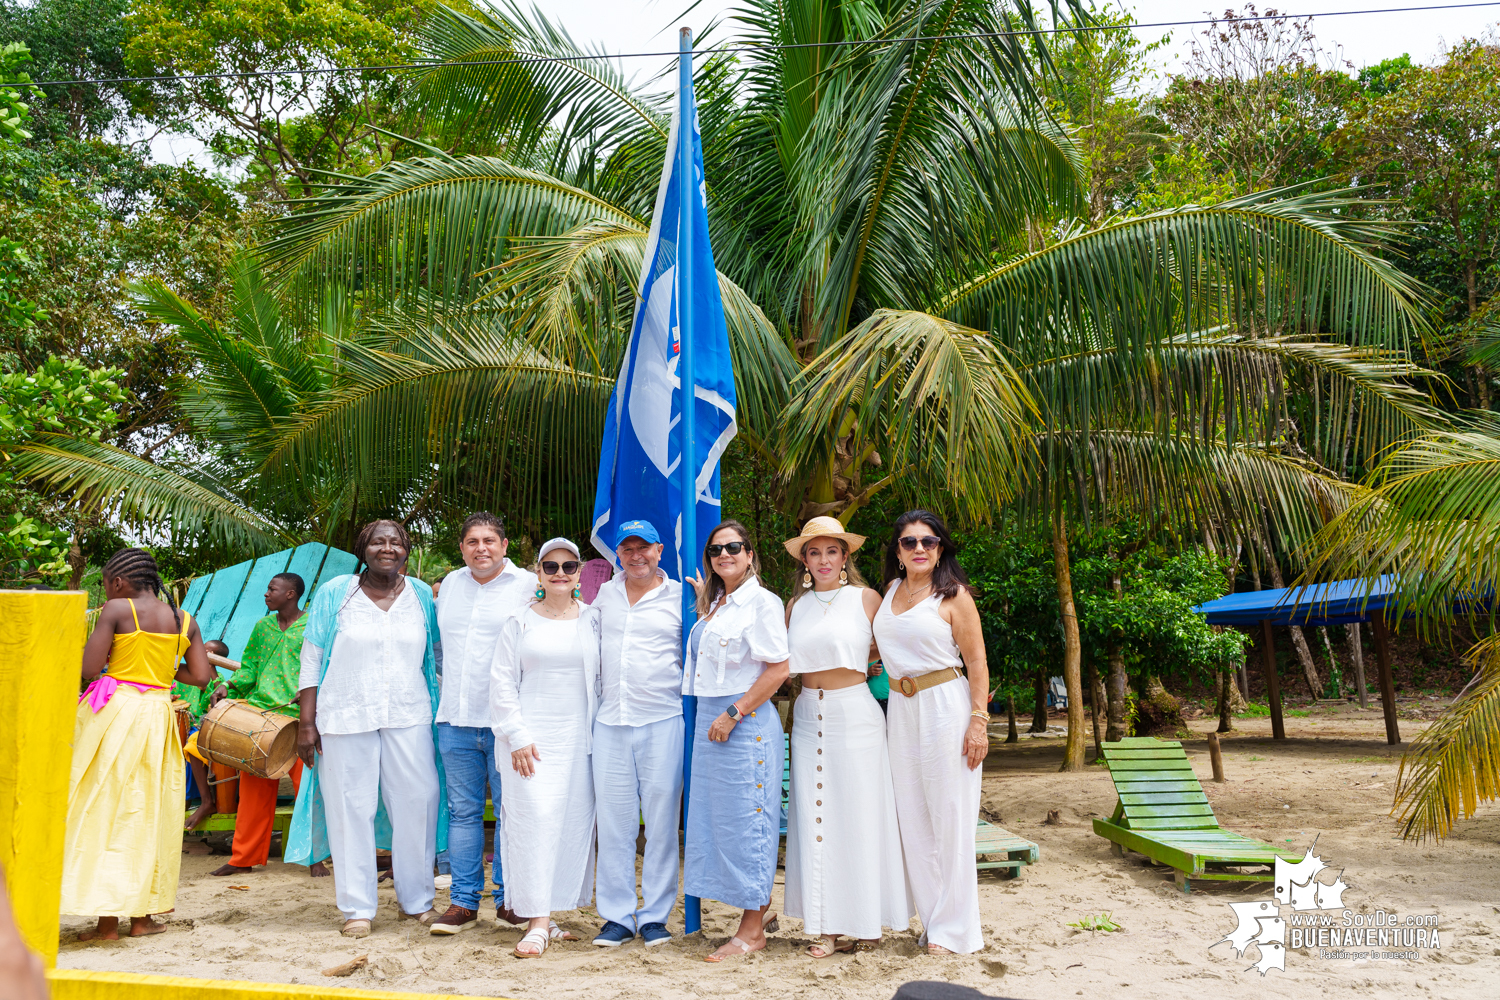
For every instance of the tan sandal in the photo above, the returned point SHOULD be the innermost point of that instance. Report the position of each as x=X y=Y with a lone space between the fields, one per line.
x=356 y=928
x=743 y=948
x=828 y=947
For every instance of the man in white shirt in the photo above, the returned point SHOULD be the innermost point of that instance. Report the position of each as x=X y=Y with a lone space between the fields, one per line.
x=638 y=740
x=471 y=605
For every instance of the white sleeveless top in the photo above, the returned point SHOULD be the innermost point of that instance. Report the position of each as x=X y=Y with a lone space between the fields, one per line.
x=915 y=642
x=833 y=636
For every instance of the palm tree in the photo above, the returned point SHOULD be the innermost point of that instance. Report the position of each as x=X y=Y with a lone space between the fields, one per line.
x=1429 y=518
x=876 y=210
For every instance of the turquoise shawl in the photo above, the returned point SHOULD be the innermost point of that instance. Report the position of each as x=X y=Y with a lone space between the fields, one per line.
x=307 y=840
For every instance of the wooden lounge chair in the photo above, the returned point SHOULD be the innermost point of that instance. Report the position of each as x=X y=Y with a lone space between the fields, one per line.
x=1163 y=814
x=225 y=821
x=996 y=847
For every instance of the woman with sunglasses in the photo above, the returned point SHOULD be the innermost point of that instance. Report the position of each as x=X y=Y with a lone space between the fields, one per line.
x=737 y=658
x=844 y=876
x=929 y=636
x=544 y=689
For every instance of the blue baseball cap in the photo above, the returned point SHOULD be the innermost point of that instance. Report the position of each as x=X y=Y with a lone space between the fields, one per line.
x=644 y=530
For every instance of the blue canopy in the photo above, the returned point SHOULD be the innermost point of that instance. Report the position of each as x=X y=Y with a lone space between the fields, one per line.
x=1337 y=603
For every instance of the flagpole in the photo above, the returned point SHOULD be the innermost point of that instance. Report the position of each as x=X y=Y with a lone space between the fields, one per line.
x=687 y=189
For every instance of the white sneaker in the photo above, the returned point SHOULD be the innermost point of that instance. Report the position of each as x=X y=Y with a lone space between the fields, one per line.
x=442 y=882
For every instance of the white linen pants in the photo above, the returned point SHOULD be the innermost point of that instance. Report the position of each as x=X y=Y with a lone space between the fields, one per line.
x=356 y=772
x=937 y=808
x=637 y=774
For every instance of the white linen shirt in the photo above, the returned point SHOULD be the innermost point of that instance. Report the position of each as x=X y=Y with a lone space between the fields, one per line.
x=747 y=632
x=470 y=615
x=641 y=653
x=374 y=678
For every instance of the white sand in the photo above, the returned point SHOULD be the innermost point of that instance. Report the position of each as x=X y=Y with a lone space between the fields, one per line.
x=284 y=927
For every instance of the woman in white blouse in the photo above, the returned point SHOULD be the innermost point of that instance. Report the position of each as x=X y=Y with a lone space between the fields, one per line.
x=544 y=691
x=933 y=648
x=844 y=876
x=737 y=658
x=368 y=690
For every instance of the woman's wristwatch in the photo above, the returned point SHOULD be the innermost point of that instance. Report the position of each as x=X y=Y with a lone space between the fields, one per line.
x=733 y=712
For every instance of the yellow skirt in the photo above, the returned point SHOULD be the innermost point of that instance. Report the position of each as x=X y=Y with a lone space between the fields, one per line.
x=123 y=846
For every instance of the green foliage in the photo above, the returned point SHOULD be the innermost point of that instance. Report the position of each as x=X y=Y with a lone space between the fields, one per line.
x=15 y=84
x=60 y=399
x=1097 y=922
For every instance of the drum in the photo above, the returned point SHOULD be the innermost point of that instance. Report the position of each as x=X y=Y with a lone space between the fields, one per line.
x=262 y=743
x=184 y=719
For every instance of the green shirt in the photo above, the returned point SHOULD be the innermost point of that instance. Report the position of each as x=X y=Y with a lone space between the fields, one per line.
x=880 y=685
x=271 y=667
x=196 y=697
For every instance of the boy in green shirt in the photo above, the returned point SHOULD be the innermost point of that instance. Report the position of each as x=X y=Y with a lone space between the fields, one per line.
x=267 y=680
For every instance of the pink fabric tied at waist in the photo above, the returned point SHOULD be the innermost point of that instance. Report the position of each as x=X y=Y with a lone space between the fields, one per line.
x=98 y=693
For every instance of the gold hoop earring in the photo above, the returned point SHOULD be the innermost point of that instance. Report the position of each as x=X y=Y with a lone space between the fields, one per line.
x=807 y=579
x=843 y=578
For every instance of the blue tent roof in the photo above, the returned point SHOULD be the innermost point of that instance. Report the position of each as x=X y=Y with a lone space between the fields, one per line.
x=1337 y=603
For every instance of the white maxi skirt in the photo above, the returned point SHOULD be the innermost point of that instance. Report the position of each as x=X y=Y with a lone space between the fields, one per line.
x=937 y=804
x=844 y=874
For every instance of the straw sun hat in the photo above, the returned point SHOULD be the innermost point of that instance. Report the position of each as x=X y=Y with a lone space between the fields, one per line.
x=822 y=527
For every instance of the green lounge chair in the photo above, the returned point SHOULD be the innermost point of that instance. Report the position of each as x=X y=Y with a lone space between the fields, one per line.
x=1163 y=814
x=996 y=847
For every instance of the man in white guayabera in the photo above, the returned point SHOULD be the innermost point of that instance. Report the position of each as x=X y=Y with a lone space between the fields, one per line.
x=472 y=603
x=638 y=740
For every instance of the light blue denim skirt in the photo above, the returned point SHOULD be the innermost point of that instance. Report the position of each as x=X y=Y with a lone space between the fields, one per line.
x=734 y=808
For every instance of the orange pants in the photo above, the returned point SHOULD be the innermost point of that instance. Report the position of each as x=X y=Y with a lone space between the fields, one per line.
x=256 y=817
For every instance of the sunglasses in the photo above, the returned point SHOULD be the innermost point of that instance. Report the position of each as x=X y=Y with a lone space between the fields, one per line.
x=733 y=548
x=910 y=542
x=570 y=567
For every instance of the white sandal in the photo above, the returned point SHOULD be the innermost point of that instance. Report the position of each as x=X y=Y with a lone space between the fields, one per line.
x=538 y=938
x=556 y=933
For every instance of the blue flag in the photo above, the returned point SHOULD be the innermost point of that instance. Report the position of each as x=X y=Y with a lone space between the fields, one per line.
x=641 y=459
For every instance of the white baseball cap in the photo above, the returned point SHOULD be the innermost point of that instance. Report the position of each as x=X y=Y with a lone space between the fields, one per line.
x=557 y=543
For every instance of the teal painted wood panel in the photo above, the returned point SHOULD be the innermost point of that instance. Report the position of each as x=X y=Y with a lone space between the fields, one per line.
x=220 y=600
x=251 y=606
x=306 y=561
x=193 y=599
x=338 y=563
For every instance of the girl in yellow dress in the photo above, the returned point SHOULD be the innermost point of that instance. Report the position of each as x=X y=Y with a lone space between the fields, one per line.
x=123 y=846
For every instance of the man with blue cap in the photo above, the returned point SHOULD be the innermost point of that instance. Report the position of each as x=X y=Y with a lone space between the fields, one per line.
x=637 y=755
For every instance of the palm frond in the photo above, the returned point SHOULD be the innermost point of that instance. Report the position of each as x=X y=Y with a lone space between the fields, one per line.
x=101 y=477
x=1454 y=764
x=929 y=394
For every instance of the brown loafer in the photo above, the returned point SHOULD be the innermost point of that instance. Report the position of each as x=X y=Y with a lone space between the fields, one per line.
x=455 y=919
x=426 y=919
x=506 y=915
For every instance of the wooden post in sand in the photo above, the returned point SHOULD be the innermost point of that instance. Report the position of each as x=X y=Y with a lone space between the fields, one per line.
x=1273 y=684
x=41 y=655
x=1387 y=684
x=1215 y=757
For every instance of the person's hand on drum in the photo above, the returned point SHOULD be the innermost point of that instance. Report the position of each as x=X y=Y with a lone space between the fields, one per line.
x=220 y=693
x=522 y=759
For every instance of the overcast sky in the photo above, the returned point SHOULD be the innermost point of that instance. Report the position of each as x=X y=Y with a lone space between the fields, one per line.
x=651 y=25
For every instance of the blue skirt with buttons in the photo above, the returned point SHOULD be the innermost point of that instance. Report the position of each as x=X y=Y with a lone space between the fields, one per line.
x=734 y=808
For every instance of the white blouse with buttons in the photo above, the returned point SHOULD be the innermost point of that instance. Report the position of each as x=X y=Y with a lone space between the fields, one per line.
x=747 y=632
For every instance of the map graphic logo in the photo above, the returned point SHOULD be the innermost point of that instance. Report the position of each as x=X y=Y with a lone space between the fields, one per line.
x=1260 y=923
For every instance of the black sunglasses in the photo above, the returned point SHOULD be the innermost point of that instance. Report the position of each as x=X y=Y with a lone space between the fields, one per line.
x=733 y=548
x=570 y=567
x=910 y=542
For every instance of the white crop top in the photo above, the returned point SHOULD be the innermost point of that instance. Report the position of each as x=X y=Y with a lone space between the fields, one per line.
x=829 y=635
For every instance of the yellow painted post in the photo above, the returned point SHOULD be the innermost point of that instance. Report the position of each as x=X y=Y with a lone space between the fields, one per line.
x=69 y=984
x=41 y=653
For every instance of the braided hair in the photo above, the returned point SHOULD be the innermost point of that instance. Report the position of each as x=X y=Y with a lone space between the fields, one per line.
x=138 y=568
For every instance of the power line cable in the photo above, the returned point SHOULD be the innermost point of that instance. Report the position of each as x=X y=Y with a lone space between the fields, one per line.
x=731 y=49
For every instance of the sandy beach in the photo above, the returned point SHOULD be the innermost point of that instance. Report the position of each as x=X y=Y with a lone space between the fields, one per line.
x=1330 y=781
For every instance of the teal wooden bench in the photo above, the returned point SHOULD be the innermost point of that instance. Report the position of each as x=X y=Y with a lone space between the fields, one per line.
x=1163 y=814
x=998 y=848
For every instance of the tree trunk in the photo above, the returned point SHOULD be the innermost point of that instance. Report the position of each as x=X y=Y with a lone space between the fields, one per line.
x=79 y=564
x=1157 y=710
x=1230 y=702
x=1096 y=695
x=1357 y=654
x=1116 y=694
x=1334 y=677
x=1011 y=736
x=1072 y=643
x=1299 y=641
x=1039 y=710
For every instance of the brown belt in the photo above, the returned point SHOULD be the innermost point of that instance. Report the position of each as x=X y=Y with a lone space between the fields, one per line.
x=909 y=686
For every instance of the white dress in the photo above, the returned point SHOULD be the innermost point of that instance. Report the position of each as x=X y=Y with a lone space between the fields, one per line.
x=937 y=795
x=542 y=689
x=844 y=874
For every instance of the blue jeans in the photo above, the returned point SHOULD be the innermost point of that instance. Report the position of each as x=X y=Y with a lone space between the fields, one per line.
x=469 y=761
